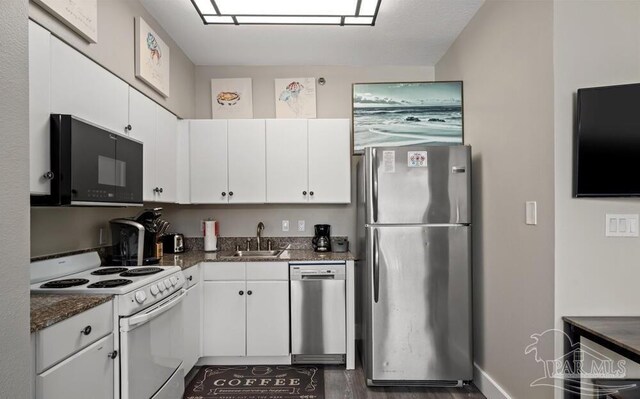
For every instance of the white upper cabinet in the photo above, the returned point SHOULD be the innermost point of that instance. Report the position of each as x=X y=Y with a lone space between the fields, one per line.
x=157 y=129
x=287 y=161
x=329 y=161
x=246 y=159
x=166 y=155
x=39 y=108
x=208 y=161
x=142 y=119
x=182 y=160
x=82 y=88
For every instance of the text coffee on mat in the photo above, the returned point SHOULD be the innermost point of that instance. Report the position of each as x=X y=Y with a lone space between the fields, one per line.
x=257 y=382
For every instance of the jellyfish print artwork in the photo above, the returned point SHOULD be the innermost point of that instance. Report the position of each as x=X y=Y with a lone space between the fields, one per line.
x=291 y=96
x=154 y=48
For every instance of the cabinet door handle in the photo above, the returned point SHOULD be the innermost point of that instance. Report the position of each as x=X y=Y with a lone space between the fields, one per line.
x=224 y=194
x=310 y=192
x=190 y=278
x=49 y=175
x=128 y=128
x=113 y=355
x=241 y=292
x=304 y=193
x=249 y=292
x=230 y=193
x=86 y=330
x=161 y=189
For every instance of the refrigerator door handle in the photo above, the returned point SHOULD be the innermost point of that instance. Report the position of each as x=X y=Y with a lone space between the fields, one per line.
x=374 y=174
x=376 y=267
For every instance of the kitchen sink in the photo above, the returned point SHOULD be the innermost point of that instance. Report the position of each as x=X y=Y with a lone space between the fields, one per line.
x=257 y=254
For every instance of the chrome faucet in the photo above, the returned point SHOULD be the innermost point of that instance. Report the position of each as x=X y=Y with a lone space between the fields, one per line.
x=259 y=233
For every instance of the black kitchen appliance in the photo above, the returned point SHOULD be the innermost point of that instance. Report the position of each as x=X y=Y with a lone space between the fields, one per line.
x=173 y=243
x=322 y=239
x=134 y=239
x=91 y=166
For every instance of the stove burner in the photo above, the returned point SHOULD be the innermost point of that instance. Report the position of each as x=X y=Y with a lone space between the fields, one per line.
x=109 y=270
x=142 y=271
x=110 y=283
x=70 y=282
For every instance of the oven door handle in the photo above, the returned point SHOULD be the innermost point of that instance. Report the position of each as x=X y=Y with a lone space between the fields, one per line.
x=130 y=323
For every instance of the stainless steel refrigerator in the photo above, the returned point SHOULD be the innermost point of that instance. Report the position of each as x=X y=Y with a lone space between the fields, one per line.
x=414 y=265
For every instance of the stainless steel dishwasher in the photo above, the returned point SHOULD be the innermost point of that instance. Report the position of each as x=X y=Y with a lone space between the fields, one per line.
x=318 y=313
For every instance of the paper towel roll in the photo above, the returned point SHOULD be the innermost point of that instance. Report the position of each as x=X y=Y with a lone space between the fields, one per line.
x=210 y=233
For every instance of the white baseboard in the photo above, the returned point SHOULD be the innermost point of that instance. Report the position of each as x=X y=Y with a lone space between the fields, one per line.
x=487 y=385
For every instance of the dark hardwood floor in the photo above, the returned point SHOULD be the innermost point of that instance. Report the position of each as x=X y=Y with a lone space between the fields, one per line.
x=350 y=384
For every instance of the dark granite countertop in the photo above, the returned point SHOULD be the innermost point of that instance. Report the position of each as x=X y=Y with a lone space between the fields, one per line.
x=49 y=309
x=191 y=258
x=622 y=331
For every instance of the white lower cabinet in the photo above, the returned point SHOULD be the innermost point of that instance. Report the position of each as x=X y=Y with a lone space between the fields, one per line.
x=86 y=374
x=237 y=311
x=224 y=318
x=75 y=358
x=267 y=305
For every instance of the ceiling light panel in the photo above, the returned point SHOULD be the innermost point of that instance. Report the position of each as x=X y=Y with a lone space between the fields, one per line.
x=291 y=20
x=287 y=7
x=288 y=12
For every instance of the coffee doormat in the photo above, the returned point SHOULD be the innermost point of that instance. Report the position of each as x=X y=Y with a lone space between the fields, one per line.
x=257 y=382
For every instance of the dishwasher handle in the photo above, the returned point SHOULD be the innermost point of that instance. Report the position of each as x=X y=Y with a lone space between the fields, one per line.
x=317 y=276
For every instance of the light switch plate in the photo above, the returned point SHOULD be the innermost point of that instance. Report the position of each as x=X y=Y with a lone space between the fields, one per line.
x=621 y=225
x=531 y=213
x=301 y=226
x=285 y=225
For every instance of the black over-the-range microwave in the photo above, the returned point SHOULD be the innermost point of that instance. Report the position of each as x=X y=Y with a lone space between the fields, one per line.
x=92 y=166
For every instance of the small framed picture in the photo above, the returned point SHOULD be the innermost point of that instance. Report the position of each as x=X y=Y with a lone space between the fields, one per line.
x=153 y=58
x=231 y=98
x=295 y=98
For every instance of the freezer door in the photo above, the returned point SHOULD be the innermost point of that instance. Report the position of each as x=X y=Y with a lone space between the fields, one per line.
x=418 y=184
x=418 y=304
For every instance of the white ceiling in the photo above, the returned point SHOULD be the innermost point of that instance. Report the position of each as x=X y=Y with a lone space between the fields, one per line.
x=407 y=32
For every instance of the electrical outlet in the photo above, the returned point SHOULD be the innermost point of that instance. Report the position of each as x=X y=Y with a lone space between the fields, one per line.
x=285 y=225
x=101 y=238
x=301 y=225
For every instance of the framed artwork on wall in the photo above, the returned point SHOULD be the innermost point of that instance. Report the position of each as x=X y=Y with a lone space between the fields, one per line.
x=79 y=15
x=394 y=114
x=295 y=98
x=231 y=98
x=152 y=59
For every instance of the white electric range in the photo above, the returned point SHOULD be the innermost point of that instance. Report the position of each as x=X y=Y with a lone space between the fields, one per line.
x=148 y=317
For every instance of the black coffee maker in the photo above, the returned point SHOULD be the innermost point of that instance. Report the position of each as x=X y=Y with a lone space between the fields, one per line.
x=322 y=239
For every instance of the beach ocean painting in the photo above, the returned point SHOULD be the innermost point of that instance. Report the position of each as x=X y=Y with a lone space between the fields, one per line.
x=394 y=114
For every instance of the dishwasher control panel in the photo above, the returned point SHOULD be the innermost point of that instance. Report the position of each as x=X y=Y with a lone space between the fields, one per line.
x=317 y=271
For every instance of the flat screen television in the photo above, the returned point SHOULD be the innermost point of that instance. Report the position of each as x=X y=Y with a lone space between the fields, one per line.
x=607 y=142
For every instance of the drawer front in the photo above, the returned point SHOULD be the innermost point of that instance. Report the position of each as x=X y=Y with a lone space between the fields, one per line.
x=277 y=271
x=65 y=338
x=223 y=271
x=88 y=373
x=192 y=275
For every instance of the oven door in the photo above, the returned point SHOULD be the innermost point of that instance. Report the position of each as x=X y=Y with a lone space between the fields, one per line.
x=151 y=345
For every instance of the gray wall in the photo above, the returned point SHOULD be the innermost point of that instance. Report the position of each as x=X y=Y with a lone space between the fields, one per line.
x=597 y=43
x=333 y=101
x=61 y=230
x=505 y=57
x=14 y=202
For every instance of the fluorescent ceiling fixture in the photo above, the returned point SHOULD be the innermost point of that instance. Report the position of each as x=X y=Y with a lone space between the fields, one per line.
x=288 y=12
